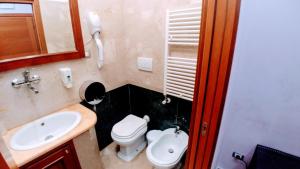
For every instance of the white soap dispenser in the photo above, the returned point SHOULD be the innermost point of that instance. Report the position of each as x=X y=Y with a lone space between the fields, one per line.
x=66 y=77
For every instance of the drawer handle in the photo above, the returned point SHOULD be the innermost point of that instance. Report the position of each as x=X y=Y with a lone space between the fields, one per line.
x=47 y=166
x=67 y=151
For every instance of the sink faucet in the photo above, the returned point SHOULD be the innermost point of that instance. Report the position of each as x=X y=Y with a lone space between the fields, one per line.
x=177 y=130
x=28 y=81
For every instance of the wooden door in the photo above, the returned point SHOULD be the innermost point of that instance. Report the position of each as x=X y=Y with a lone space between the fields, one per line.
x=217 y=41
x=18 y=36
x=22 y=34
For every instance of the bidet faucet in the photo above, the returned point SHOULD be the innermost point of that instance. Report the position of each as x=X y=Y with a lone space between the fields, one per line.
x=177 y=130
x=28 y=81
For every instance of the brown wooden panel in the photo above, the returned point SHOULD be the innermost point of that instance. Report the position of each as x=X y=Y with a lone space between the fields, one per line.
x=18 y=37
x=3 y=164
x=63 y=157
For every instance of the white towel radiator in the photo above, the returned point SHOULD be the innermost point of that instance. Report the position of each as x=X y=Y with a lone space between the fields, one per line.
x=182 y=28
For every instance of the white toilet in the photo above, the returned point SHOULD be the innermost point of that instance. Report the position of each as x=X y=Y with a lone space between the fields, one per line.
x=129 y=133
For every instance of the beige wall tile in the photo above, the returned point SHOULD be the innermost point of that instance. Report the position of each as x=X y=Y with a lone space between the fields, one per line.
x=87 y=150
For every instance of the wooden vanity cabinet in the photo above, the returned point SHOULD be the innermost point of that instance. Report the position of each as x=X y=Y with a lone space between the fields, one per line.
x=63 y=157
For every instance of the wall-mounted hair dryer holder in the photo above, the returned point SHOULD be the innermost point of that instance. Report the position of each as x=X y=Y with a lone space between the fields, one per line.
x=94 y=26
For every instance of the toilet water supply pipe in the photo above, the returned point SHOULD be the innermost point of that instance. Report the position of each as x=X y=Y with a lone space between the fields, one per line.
x=99 y=45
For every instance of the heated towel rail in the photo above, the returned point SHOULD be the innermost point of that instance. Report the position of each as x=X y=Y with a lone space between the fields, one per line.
x=182 y=29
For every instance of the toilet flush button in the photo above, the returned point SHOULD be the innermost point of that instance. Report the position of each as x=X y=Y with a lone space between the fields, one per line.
x=144 y=63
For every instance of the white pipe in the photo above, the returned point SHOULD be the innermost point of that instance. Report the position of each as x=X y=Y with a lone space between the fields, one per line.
x=182 y=70
x=184 y=10
x=166 y=52
x=179 y=92
x=183 y=59
x=185 y=44
x=182 y=77
x=180 y=89
x=185 y=31
x=181 y=73
x=197 y=18
x=184 y=40
x=191 y=82
x=182 y=65
x=185 y=36
x=185 y=14
x=181 y=84
x=185 y=23
x=180 y=95
x=197 y=27
x=99 y=45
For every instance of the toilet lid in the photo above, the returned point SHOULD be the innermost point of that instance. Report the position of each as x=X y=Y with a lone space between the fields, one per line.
x=129 y=126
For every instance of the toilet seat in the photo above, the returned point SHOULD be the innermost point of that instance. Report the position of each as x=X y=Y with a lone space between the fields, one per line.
x=129 y=134
x=130 y=140
x=131 y=126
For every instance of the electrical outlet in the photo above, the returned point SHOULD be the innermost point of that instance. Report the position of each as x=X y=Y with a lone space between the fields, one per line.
x=238 y=156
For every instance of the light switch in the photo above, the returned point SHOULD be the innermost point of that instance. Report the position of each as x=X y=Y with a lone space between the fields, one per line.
x=144 y=63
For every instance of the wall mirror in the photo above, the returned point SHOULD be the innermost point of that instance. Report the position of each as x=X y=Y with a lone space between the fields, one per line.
x=38 y=31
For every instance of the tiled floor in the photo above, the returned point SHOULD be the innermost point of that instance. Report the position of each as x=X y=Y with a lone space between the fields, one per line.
x=111 y=161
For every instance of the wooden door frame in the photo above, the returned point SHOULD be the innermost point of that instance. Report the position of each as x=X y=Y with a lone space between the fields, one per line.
x=217 y=41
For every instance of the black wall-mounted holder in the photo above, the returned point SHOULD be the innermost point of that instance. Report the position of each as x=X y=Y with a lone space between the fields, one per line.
x=92 y=93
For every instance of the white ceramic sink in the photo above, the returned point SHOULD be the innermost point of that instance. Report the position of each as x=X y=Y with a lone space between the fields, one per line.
x=44 y=130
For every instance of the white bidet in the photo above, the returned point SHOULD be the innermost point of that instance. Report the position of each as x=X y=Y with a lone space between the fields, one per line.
x=167 y=150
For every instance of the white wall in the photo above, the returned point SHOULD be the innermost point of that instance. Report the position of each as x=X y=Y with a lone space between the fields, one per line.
x=263 y=101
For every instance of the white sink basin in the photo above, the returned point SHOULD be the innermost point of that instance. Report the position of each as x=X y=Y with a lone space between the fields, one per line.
x=44 y=130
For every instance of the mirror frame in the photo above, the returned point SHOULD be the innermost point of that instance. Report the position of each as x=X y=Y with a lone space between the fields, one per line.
x=26 y=61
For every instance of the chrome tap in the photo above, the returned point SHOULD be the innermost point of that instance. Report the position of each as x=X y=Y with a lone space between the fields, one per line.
x=32 y=88
x=28 y=81
x=177 y=130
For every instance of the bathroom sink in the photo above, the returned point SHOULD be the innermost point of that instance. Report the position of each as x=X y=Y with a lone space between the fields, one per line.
x=44 y=130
